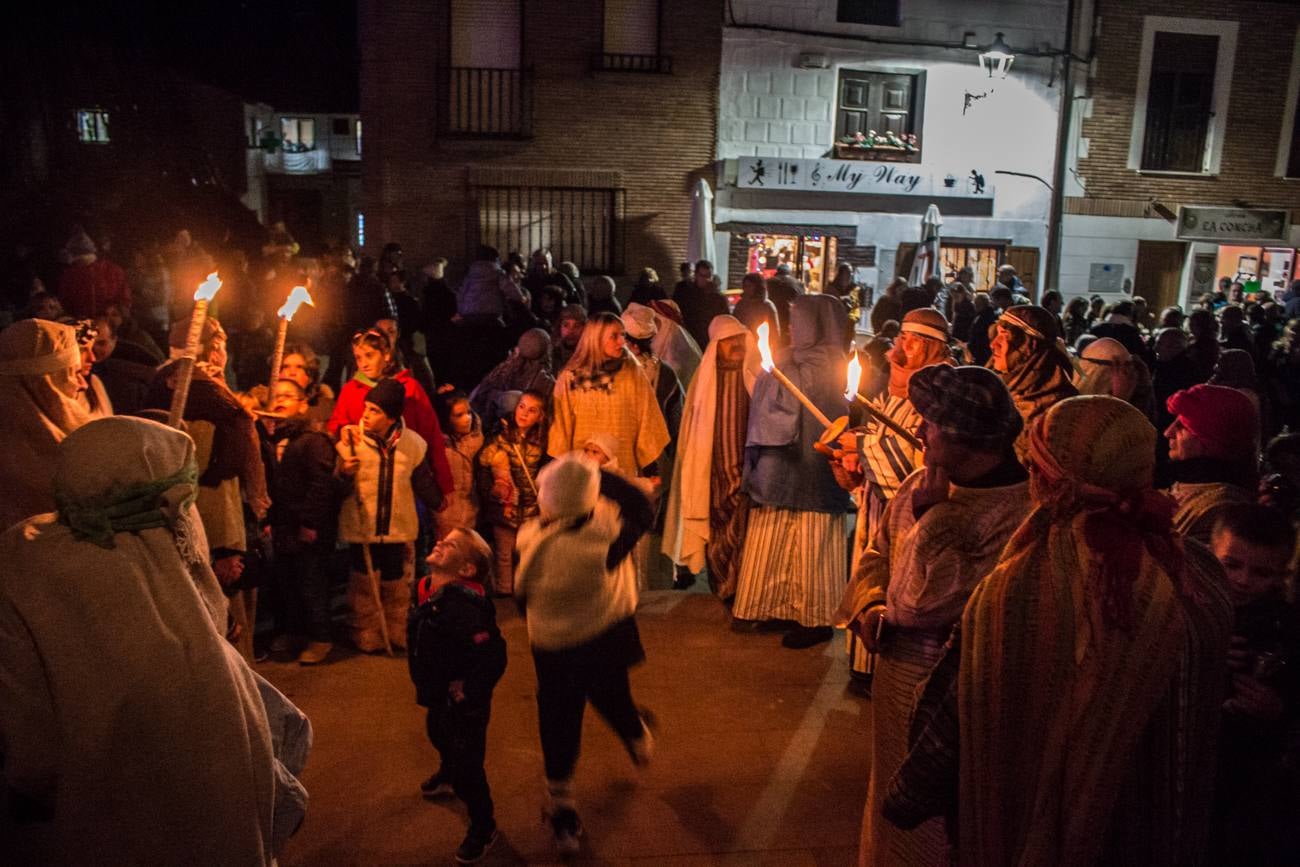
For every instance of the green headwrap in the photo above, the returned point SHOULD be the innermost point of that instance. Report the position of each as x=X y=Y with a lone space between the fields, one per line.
x=129 y=508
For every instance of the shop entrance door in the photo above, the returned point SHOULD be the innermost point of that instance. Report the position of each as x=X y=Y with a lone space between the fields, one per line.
x=1159 y=272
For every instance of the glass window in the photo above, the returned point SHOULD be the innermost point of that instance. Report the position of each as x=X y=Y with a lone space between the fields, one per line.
x=92 y=126
x=981 y=260
x=358 y=136
x=811 y=257
x=298 y=134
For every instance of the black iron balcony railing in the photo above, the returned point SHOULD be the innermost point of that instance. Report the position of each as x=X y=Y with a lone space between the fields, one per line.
x=485 y=103
x=657 y=63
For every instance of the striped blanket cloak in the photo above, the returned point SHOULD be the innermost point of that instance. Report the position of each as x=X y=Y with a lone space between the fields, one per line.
x=923 y=570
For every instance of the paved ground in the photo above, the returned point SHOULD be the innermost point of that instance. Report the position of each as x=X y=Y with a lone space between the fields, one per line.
x=762 y=756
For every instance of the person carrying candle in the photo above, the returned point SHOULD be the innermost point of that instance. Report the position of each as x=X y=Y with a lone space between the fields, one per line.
x=384 y=471
x=793 y=569
x=939 y=535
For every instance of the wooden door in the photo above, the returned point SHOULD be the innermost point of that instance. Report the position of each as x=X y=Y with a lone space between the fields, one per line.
x=1159 y=272
x=1025 y=261
x=904 y=260
x=875 y=101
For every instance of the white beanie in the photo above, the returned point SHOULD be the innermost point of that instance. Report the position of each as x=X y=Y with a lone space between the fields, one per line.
x=567 y=487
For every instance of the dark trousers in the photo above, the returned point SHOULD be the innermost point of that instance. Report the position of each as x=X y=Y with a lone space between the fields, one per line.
x=566 y=681
x=302 y=592
x=459 y=734
x=388 y=558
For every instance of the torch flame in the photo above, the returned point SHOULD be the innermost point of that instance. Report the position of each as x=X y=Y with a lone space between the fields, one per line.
x=765 y=348
x=854 y=377
x=208 y=288
x=298 y=297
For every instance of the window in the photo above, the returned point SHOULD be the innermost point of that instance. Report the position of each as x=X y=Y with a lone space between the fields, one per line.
x=358 y=133
x=298 y=134
x=810 y=256
x=1179 y=96
x=883 y=13
x=631 y=38
x=578 y=224
x=1181 y=109
x=883 y=102
x=92 y=125
x=341 y=126
x=485 y=93
x=361 y=230
x=1288 y=151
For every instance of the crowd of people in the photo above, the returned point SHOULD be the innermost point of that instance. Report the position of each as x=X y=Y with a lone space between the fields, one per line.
x=1060 y=538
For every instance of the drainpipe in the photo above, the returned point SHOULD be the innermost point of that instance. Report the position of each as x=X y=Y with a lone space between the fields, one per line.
x=1052 y=274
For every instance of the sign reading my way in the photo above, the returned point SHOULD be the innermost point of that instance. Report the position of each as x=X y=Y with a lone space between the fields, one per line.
x=855 y=176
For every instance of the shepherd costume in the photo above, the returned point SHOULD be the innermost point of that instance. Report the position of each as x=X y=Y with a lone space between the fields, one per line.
x=1039 y=370
x=619 y=401
x=708 y=512
x=922 y=570
x=1072 y=720
x=796 y=555
x=133 y=733
x=39 y=363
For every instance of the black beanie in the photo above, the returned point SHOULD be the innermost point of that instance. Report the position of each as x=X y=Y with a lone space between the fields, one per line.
x=388 y=395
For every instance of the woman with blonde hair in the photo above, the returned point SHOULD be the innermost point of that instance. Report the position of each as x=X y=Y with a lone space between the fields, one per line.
x=602 y=389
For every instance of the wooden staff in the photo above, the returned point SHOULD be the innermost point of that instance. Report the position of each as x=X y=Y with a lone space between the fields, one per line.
x=370 y=563
x=185 y=367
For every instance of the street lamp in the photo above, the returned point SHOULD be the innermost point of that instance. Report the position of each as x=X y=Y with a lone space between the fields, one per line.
x=997 y=58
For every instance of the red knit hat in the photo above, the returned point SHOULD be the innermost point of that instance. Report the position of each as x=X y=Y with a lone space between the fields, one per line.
x=1224 y=419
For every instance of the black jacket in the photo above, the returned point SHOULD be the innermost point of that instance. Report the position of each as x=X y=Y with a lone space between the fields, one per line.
x=301 y=483
x=453 y=635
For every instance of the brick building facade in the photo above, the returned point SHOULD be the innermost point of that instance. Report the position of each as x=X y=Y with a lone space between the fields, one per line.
x=1242 y=61
x=576 y=126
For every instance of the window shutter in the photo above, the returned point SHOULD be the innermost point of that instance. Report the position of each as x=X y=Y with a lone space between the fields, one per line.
x=632 y=27
x=485 y=34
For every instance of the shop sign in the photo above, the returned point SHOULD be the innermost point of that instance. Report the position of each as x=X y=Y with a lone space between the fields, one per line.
x=1228 y=225
x=856 y=176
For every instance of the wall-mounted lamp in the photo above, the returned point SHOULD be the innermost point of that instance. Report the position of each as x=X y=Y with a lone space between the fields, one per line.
x=996 y=60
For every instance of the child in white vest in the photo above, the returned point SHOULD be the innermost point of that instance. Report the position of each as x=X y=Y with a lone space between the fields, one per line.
x=383 y=469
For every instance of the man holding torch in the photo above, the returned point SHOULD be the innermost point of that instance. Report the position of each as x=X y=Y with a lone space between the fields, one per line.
x=795 y=556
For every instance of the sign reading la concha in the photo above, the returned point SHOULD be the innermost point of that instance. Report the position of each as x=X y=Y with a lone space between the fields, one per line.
x=857 y=176
x=1197 y=223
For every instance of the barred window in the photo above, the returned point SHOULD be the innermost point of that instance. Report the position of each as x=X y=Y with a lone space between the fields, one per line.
x=578 y=224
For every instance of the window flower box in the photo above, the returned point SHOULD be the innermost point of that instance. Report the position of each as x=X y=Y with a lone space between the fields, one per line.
x=886 y=147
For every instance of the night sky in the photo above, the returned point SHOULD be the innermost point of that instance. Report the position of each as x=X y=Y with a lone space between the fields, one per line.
x=296 y=55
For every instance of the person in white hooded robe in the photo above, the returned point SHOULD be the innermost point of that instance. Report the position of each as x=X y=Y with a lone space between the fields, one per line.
x=707 y=510
x=131 y=732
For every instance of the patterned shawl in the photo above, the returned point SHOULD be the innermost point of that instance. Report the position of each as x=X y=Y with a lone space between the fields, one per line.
x=1039 y=371
x=1071 y=651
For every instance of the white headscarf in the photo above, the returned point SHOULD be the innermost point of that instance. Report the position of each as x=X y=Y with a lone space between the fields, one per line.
x=686 y=528
x=40 y=376
x=1106 y=367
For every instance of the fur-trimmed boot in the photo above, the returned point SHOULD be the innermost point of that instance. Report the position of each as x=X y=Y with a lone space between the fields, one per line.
x=397 y=604
x=364 y=615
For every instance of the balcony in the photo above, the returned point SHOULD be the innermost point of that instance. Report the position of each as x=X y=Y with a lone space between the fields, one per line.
x=485 y=103
x=308 y=162
x=655 y=63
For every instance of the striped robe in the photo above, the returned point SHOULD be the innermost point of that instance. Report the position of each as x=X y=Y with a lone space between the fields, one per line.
x=1052 y=756
x=887 y=459
x=922 y=570
x=729 y=506
x=793 y=566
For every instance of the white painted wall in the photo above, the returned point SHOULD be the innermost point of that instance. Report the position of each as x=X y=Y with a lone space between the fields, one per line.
x=770 y=107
